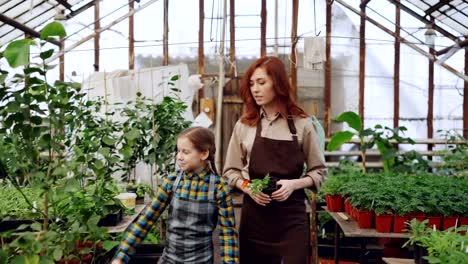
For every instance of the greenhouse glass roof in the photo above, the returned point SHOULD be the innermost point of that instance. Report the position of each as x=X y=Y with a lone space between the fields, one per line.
x=31 y=14
x=452 y=13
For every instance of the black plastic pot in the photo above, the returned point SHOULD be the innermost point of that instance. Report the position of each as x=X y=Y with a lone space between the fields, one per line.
x=272 y=187
x=111 y=219
x=419 y=254
x=12 y=224
x=147 y=254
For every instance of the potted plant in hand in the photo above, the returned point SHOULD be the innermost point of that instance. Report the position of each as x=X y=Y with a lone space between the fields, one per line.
x=258 y=185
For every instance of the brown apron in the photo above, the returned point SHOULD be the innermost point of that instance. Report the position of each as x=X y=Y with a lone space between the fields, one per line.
x=278 y=232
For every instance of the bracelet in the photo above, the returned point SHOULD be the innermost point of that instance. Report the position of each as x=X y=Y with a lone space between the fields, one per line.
x=245 y=184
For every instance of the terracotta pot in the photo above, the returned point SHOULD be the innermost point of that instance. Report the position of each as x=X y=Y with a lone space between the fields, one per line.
x=365 y=219
x=354 y=213
x=399 y=223
x=335 y=203
x=449 y=221
x=434 y=221
x=383 y=223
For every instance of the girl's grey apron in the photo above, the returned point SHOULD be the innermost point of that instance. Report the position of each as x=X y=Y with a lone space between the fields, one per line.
x=189 y=228
x=278 y=232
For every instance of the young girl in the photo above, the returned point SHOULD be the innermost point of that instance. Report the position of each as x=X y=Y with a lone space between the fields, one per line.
x=199 y=199
x=275 y=137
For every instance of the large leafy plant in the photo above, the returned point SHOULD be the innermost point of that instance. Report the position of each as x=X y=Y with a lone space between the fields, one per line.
x=383 y=137
x=43 y=143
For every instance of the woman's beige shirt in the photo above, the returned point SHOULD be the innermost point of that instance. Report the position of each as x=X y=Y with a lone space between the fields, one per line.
x=237 y=161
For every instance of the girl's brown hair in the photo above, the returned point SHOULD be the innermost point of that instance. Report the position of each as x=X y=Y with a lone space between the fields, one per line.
x=284 y=98
x=202 y=139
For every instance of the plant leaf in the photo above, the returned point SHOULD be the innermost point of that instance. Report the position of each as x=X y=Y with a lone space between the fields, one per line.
x=339 y=139
x=353 y=120
x=53 y=29
x=46 y=54
x=17 y=52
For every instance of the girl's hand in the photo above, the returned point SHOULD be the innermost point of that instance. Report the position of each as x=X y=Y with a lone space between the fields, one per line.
x=260 y=198
x=115 y=261
x=283 y=193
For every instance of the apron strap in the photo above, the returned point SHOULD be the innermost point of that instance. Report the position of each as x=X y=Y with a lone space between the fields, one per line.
x=292 y=127
x=258 y=132
x=176 y=182
x=211 y=188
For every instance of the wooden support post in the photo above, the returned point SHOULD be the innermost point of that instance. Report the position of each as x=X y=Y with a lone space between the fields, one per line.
x=232 y=38
x=362 y=59
x=131 y=36
x=201 y=55
x=263 y=24
x=465 y=99
x=396 y=70
x=62 y=60
x=97 y=25
x=294 y=39
x=327 y=93
x=201 y=29
x=430 y=101
x=166 y=34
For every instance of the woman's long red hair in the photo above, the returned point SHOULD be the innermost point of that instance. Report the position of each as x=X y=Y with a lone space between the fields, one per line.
x=284 y=98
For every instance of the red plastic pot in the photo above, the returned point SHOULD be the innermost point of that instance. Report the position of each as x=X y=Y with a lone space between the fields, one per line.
x=449 y=221
x=434 y=221
x=420 y=216
x=399 y=223
x=365 y=218
x=347 y=206
x=383 y=223
x=335 y=203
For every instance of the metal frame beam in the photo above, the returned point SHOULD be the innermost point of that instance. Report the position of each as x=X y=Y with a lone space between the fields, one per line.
x=102 y=29
x=405 y=41
x=80 y=10
x=459 y=45
x=65 y=4
x=24 y=28
x=424 y=20
x=437 y=6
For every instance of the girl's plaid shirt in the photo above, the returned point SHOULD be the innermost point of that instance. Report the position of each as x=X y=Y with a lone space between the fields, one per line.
x=193 y=186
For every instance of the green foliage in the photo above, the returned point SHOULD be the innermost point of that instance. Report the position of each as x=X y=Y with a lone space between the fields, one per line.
x=378 y=136
x=455 y=158
x=141 y=189
x=448 y=246
x=45 y=139
x=17 y=52
x=53 y=29
x=258 y=185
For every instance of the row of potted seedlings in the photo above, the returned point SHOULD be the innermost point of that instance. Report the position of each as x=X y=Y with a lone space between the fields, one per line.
x=387 y=202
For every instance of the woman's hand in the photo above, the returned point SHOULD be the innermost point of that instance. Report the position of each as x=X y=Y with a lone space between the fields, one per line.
x=116 y=261
x=283 y=193
x=260 y=198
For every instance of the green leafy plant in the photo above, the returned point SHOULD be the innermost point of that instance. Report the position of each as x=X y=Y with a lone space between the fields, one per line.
x=354 y=121
x=45 y=142
x=448 y=246
x=379 y=136
x=258 y=185
x=141 y=189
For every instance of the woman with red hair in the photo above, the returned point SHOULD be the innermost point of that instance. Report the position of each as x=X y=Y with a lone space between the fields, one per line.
x=274 y=137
